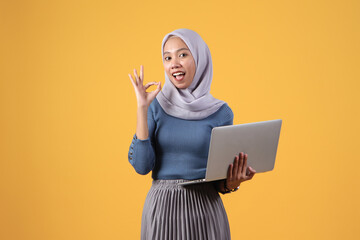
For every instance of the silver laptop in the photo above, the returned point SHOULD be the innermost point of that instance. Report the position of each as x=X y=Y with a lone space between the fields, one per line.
x=259 y=140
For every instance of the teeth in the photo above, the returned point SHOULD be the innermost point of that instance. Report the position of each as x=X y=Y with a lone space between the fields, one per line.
x=178 y=73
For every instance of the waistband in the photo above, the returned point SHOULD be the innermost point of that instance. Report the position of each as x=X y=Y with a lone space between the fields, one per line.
x=174 y=184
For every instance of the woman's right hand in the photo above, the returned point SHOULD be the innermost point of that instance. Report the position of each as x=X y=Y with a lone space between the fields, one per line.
x=143 y=98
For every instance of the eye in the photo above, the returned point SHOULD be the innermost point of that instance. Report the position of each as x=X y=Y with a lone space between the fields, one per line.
x=167 y=58
x=184 y=54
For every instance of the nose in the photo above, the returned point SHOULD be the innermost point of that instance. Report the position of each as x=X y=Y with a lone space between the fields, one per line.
x=175 y=63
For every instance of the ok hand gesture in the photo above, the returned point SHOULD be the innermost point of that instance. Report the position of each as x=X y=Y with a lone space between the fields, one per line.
x=143 y=98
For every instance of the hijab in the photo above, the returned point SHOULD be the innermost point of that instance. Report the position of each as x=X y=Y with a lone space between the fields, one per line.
x=194 y=102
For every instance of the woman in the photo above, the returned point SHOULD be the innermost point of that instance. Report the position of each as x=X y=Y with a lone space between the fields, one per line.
x=172 y=140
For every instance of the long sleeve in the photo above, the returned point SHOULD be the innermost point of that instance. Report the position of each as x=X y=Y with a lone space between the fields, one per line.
x=142 y=152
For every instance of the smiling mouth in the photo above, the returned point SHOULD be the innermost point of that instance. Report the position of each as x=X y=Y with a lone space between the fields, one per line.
x=179 y=75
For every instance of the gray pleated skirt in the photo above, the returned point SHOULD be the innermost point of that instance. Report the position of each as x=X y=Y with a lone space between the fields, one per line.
x=190 y=212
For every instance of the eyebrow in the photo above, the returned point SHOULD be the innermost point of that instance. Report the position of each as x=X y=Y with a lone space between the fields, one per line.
x=178 y=50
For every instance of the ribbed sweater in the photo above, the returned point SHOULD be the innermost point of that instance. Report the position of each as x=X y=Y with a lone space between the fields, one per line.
x=176 y=148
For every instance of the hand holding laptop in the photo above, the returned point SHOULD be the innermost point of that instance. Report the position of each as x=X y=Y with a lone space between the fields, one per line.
x=239 y=172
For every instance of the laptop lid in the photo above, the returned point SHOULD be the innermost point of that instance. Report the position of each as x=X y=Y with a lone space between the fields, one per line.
x=259 y=140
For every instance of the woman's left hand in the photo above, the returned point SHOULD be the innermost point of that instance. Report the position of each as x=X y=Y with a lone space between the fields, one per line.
x=239 y=172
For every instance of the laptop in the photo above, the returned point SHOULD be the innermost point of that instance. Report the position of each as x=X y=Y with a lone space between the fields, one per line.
x=259 y=140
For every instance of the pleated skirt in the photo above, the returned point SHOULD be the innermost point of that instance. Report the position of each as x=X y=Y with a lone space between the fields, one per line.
x=192 y=212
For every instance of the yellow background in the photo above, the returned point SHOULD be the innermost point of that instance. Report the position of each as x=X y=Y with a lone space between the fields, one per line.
x=68 y=112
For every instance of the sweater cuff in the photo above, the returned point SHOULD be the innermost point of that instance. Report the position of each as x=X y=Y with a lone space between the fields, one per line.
x=135 y=144
x=141 y=155
x=141 y=140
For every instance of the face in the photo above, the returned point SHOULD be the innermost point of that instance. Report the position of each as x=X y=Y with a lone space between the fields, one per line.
x=179 y=64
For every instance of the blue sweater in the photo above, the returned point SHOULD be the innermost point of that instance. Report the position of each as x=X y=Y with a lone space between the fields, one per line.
x=176 y=148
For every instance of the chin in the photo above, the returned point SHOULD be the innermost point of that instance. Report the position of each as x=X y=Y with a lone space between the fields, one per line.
x=180 y=86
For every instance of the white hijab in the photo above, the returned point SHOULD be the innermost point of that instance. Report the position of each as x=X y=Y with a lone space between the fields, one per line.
x=194 y=102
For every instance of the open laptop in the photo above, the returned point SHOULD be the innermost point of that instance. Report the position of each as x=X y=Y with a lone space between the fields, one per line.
x=259 y=140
